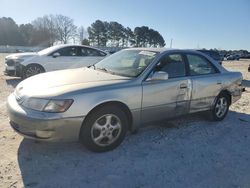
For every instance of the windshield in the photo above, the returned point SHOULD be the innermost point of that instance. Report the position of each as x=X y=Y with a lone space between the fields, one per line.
x=47 y=50
x=129 y=63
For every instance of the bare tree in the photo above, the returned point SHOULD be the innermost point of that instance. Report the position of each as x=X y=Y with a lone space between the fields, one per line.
x=46 y=29
x=81 y=34
x=65 y=28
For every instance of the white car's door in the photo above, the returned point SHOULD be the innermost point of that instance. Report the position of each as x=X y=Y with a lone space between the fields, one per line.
x=72 y=57
x=64 y=58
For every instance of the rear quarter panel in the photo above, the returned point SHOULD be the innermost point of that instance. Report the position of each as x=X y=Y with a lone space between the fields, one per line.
x=232 y=83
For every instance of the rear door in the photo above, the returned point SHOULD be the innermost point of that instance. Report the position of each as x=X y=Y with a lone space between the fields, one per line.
x=89 y=56
x=166 y=98
x=206 y=82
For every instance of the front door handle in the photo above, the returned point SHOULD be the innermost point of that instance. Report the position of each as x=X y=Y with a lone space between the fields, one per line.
x=183 y=86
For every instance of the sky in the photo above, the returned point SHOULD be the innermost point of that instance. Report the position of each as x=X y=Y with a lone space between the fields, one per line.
x=222 y=24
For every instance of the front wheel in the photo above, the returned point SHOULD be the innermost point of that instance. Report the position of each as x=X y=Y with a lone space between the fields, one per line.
x=32 y=70
x=220 y=108
x=104 y=129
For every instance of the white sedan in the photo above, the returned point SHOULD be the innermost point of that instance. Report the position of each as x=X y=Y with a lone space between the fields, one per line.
x=50 y=59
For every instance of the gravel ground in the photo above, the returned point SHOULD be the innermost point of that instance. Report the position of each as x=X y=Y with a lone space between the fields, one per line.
x=188 y=152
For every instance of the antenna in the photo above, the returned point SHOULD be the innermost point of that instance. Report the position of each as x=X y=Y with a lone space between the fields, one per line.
x=171 y=42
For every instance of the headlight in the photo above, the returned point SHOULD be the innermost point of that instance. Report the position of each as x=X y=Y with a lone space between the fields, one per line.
x=47 y=105
x=18 y=60
x=35 y=104
x=58 y=105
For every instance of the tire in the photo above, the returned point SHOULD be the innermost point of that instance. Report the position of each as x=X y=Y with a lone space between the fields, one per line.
x=220 y=108
x=104 y=129
x=32 y=70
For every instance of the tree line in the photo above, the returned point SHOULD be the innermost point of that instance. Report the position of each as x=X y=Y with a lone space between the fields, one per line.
x=52 y=29
x=102 y=33
x=43 y=31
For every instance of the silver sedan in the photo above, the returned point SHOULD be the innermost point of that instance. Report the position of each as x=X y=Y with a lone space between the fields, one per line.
x=99 y=104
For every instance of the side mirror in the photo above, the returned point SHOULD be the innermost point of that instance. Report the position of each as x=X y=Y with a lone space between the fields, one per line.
x=159 y=75
x=56 y=54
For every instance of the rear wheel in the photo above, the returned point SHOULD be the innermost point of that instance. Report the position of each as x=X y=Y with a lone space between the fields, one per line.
x=220 y=108
x=32 y=70
x=104 y=129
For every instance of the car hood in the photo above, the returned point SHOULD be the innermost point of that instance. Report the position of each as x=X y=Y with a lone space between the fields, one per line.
x=21 y=55
x=57 y=83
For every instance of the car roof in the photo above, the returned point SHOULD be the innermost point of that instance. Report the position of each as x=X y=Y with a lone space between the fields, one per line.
x=58 y=46
x=166 y=50
x=148 y=49
x=163 y=50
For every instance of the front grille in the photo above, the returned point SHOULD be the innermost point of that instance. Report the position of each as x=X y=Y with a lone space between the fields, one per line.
x=10 y=62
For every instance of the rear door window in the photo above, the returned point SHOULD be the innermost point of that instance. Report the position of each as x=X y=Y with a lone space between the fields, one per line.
x=199 y=65
x=84 y=51
x=94 y=52
x=67 y=51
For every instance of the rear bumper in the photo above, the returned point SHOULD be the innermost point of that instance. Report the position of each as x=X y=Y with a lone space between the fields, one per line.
x=42 y=126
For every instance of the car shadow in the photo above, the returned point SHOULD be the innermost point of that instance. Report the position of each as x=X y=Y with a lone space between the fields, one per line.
x=13 y=81
x=177 y=153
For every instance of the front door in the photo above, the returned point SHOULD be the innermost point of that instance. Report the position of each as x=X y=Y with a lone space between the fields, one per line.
x=66 y=58
x=166 y=98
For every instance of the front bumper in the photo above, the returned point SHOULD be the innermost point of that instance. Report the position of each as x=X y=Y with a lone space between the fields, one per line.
x=42 y=126
x=15 y=70
x=10 y=70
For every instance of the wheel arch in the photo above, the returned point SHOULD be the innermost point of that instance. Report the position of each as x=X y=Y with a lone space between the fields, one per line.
x=113 y=103
x=35 y=64
x=24 y=67
x=223 y=92
x=228 y=94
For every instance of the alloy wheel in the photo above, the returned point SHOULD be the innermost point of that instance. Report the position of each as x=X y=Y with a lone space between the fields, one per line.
x=32 y=70
x=106 y=130
x=221 y=107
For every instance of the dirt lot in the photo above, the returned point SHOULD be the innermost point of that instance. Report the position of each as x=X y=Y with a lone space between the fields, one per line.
x=188 y=152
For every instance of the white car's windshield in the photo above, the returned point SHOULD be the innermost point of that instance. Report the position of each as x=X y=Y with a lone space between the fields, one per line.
x=47 y=50
x=129 y=63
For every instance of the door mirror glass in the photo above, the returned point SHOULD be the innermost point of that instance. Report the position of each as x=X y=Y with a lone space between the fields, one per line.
x=56 y=54
x=159 y=75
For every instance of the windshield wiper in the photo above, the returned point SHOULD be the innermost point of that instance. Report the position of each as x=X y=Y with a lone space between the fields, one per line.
x=105 y=70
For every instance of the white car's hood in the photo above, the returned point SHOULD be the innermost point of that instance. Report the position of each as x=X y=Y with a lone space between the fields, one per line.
x=21 y=55
x=59 y=82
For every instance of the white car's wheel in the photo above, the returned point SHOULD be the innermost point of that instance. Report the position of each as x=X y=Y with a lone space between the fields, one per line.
x=104 y=129
x=32 y=70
